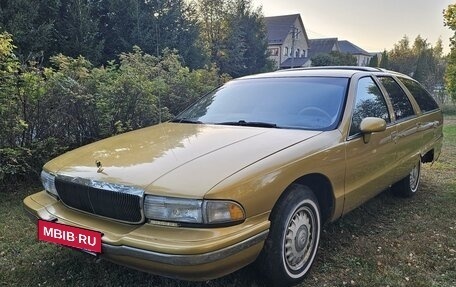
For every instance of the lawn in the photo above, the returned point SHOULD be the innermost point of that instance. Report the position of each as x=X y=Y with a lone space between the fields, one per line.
x=387 y=242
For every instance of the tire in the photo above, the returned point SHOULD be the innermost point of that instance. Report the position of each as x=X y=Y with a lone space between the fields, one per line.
x=408 y=186
x=293 y=239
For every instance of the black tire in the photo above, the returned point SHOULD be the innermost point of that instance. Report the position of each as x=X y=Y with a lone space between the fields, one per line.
x=293 y=239
x=408 y=186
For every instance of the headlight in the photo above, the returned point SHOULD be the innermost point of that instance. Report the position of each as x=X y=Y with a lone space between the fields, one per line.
x=173 y=209
x=48 y=181
x=192 y=210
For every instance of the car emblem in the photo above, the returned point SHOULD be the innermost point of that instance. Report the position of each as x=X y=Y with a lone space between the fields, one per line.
x=99 y=165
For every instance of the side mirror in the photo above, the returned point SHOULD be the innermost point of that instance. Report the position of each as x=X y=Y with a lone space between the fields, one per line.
x=371 y=125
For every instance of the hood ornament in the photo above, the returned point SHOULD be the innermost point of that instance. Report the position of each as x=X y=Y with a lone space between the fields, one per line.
x=99 y=165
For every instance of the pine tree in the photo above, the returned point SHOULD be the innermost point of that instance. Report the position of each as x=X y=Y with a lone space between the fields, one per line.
x=234 y=36
x=374 y=61
x=32 y=23
x=384 y=62
x=77 y=30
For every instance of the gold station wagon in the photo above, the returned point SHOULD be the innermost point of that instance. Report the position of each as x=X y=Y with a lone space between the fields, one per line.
x=250 y=172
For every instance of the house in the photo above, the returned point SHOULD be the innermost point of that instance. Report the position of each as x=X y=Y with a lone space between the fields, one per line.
x=288 y=44
x=323 y=46
x=362 y=57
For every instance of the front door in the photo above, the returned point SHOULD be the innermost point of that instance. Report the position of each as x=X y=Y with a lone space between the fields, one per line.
x=369 y=165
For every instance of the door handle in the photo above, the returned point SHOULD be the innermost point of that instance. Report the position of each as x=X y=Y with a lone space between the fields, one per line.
x=394 y=136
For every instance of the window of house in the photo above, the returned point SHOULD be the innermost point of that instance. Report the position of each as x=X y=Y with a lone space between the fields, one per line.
x=401 y=103
x=273 y=51
x=297 y=53
x=369 y=102
x=286 y=51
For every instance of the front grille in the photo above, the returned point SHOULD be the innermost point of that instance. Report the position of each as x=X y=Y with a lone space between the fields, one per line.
x=114 y=204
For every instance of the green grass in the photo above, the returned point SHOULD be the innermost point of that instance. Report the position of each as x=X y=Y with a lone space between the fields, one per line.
x=387 y=242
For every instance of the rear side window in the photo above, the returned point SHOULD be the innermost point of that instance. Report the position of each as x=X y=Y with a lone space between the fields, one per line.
x=369 y=102
x=422 y=97
x=401 y=103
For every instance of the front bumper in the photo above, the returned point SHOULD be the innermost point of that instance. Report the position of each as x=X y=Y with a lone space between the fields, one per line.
x=177 y=252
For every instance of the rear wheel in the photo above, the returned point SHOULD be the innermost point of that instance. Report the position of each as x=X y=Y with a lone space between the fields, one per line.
x=293 y=239
x=408 y=186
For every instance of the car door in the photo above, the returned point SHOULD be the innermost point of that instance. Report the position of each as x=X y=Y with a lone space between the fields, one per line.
x=369 y=165
x=430 y=120
x=408 y=139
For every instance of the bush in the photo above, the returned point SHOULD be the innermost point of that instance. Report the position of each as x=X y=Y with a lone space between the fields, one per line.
x=449 y=109
x=45 y=112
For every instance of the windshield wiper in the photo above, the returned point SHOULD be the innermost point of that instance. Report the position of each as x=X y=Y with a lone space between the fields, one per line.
x=249 y=124
x=185 y=121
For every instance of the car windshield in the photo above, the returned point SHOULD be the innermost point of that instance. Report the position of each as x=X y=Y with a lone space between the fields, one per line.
x=313 y=103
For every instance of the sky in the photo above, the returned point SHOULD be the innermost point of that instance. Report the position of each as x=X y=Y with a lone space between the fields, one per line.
x=373 y=25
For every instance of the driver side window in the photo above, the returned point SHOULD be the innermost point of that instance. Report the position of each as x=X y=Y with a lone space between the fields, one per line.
x=369 y=102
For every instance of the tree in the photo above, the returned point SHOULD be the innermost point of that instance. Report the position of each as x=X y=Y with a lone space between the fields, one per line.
x=32 y=23
x=249 y=37
x=401 y=58
x=151 y=25
x=214 y=28
x=234 y=36
x=180 y=30
x=384 y=61
x=77 y=30
x=425 y=68
x=322 y=60
x=334 y=58
x=9 y=67
x=449 y=16
x=343 y=59
x=374 y=61
x=439 y=73
x=100 y=30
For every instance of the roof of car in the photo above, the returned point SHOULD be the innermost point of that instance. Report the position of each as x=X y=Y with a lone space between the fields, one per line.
x=329 y=71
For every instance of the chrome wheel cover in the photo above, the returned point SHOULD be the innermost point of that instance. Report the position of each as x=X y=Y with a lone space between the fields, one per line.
x=299 y=239
x=415 y=177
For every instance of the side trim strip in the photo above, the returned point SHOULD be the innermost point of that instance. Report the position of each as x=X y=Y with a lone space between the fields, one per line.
x=183 y=260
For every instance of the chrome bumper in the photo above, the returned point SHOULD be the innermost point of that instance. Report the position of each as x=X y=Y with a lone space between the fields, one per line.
x=183 y=260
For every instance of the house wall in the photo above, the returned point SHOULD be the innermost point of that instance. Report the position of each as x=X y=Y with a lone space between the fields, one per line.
x=275 y=54
x=284 y=50
x=362 y=60
x=301 y=42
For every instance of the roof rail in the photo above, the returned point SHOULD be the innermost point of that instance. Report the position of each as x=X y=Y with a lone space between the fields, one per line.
x=356 y=68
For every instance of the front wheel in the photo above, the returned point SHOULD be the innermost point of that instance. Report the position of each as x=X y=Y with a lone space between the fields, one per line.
x=408 y=186
x=293 y=239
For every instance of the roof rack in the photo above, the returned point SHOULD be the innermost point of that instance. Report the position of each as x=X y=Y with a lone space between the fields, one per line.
x=356 y=68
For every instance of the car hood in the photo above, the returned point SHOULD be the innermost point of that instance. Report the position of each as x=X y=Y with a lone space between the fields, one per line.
x=184 y=160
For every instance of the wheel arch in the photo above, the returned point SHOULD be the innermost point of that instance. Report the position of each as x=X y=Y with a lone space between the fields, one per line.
x=428 y=156
x=321 y=187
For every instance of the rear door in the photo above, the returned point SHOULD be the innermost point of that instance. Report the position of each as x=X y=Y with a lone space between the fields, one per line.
x=408 y=139
x=430 y=120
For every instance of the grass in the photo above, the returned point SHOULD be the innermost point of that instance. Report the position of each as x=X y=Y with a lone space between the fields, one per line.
x=387 y=242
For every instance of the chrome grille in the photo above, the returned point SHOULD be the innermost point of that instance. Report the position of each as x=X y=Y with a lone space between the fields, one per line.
x=106 y=200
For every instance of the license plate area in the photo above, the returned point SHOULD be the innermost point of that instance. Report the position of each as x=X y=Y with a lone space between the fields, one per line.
x=86 y=240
